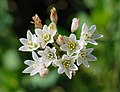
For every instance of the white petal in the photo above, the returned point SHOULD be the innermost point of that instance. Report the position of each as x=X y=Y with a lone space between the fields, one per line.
x=41 y=53
x=92 y=29
x=38 y=32
x=23 y=41
x=24 y=48
x=35 y=71
x=93 y=42
x=29 y=35
x=66 y=39
x=79 y=61
x=35 y=57
x=73 y=67
x=61 y=70
x=91 y=57
x=65 y=57
x=43 y=44
x=53 y=50
x=47 y=62
x=64 y=47
x=85 y=62
x=39 y=39
x=58 y=62
x=68 y=73
x=84 y=29
x=29 y=62
x=45 y=28
x=72 y=37
x=90 y=50
x=96 y=36
x=28 y=70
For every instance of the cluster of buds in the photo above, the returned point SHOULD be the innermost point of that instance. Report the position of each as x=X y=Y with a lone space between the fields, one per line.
x=48 y=47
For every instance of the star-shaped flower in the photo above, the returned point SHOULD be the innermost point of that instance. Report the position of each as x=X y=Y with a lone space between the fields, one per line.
x=84 y=56
x=66 y=64
x=88 y=35
x=48 y=55
x=71 y=45
x=29 y=44
x=35 y=66
x=45 y=36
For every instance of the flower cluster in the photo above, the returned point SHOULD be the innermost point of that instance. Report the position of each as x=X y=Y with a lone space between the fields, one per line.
x=48 y=47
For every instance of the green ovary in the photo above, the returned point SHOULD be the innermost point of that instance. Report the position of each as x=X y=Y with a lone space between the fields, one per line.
x=46 y=37
x=66 y=63
x=71 y=45
x=50 y=56
x=82 y=55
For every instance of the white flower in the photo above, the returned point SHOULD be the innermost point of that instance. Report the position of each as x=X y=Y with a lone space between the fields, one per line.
x=45 y=36
x=71 y=45
x=84 y=56
x=35 y=66
x=66 y=64
x=48 y=55
x=29 y=44
x=52 y=27
x=88 y=35
x=75 y=24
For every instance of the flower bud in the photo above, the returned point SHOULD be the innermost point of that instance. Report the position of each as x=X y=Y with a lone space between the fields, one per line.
x=53 y=15
x=60 y=40
x=75 y=24
x=44 y=72
x=36 y=21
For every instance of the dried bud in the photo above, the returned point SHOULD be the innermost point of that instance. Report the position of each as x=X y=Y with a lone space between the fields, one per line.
x=53 y=15
x=75 y=24
x=44 y=72
x=60 y=40
x=36 y=21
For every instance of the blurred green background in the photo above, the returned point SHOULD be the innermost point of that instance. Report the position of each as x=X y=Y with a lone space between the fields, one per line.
x=102 y=76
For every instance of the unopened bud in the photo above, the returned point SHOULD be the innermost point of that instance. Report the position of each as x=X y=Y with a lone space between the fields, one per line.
x=60 y=40
x=36 y=21
x=53 y=15
x=75 y=24
x=44 y=72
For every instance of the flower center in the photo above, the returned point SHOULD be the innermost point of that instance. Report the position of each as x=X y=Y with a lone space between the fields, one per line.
x=88 y=36
x=66 y=63
x=35 y=65
x=52 y=27
x=82 y=55
x=71 y=45
x=30 y=42
x=50 y=56
x=46 y=37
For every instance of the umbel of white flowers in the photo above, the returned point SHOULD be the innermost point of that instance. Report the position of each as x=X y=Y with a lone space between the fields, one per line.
x=75 y=52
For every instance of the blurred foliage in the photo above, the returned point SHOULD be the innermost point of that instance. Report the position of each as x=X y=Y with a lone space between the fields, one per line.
x=102 y=76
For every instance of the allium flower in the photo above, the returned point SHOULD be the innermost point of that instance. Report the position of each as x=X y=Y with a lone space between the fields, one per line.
x=48 y=55
x=29 y=44
x=71 y=45
x=66 y=53
x=52 y=27
x=88 y=35
x=84 y=56
x=75 y=24
x=45 y=36
x=66 y=64
x=35 y=66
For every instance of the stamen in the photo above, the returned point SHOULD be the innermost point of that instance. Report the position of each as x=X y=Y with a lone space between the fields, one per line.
x=71 y=45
